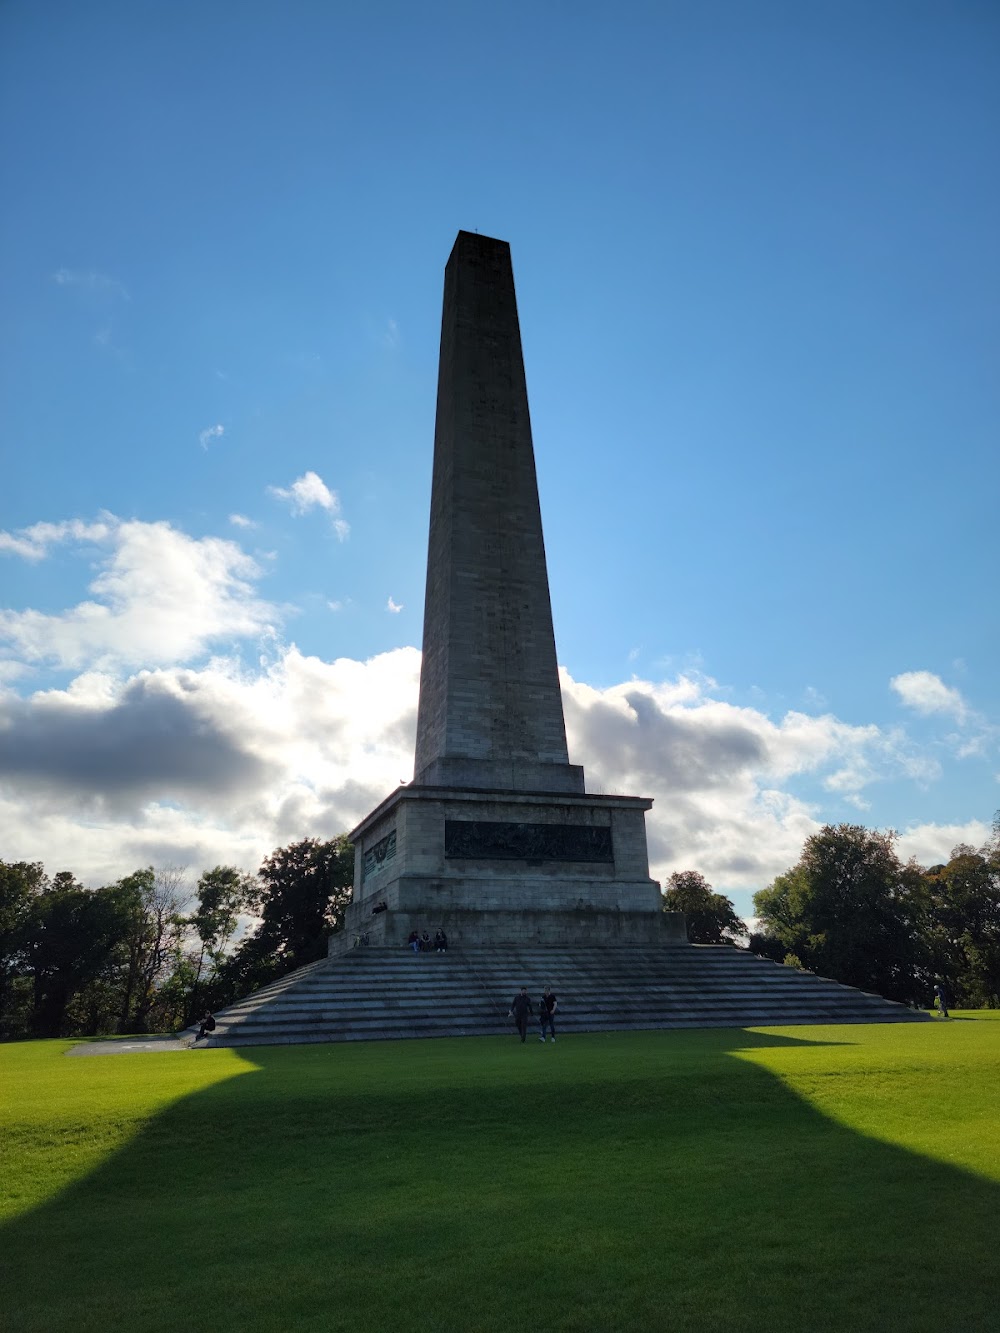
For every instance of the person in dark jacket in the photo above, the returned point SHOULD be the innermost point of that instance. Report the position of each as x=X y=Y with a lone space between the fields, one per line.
x=547 y=1013
x=207 y=1025
x=520 y=1010
x=440 y=942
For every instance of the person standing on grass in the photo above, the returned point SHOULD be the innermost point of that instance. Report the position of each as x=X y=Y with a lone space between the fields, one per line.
x=520 y=1008
x=547 y=1013
x=941 y=991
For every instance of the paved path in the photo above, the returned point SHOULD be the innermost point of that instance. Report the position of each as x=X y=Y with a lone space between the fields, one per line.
x=164 y=1043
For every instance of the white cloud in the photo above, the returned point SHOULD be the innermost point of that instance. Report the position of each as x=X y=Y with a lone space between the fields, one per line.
x=931 y=844
x=927 y=694
x=310 y=492
x=91 y=281
x=717 y=772
x=210 y=433
x=35 y=542
x=394 y=607
x=224 y=763
x=202 y=767
x=241 y=521
x=152 y=754
x=160 y=596
x=307 y=492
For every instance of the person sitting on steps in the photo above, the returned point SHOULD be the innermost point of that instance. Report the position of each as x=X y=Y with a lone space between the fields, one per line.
x=207 y=1025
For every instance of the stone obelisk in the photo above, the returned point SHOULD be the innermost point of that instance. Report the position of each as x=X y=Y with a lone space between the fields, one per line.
x=491 y=710
x=496 y=839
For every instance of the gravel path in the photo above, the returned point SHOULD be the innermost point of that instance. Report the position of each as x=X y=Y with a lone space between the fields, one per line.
x=164 y=1043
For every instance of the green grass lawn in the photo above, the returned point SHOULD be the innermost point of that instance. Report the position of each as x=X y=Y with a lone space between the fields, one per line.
x=816 y=1178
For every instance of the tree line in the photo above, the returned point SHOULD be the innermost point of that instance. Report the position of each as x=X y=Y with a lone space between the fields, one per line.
x=146 y=954
x=851 y=910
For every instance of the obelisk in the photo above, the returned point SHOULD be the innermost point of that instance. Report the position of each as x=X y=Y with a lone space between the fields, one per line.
x=496 y=839
x=490 y=711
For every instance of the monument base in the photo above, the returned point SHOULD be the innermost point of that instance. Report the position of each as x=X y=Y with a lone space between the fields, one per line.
x=475 y=928
x=506 y=868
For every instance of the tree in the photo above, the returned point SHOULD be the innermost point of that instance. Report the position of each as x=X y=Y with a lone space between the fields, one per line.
x=850 y=910
x=300 y=895
x=152 y=901
x=224 y=894
x=962 y=923
x=74 y=935
x=20 y=884
x=711 y=917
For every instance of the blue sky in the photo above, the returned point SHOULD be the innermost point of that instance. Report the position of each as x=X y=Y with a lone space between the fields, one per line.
x=756 y=254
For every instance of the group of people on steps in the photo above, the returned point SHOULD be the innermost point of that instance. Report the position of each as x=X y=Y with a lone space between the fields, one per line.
x=521 y=1011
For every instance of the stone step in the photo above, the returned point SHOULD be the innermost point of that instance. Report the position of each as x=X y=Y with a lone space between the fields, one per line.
x=580 y=1002
x=336 y=990
x=311 y=1034
x=377 y=994
x=451 y=1024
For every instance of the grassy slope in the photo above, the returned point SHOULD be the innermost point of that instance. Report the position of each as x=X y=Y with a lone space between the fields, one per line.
x=799 y=1178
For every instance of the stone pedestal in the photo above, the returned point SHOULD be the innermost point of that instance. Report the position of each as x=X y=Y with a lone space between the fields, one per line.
x=506 y=868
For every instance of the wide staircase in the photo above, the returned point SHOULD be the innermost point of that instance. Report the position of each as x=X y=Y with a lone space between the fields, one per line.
x=372 y=994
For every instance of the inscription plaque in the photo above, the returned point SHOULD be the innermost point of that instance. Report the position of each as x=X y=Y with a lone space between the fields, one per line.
x=490 y=840
x=376 y=856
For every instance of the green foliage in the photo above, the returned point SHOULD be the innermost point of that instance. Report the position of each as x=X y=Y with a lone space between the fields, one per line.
x=200 y=981
x=962 y=923
x=20 y=884
x=766 y=946
x=849 y=910
x=783 y=1180
x=711 y=917
x=223 y=893
x=75 y=934
x=133 y=957
x=150 y=944
x=300 y=895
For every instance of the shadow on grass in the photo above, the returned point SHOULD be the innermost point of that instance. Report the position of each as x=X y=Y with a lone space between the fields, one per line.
x=642 y=1181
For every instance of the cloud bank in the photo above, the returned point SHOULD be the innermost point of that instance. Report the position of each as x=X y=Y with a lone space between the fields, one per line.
x=184 y=730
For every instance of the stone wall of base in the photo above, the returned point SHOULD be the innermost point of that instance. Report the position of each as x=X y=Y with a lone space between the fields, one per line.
x=470 y=928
